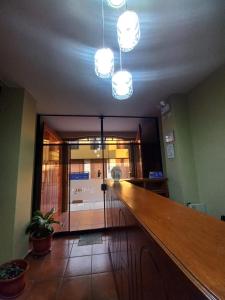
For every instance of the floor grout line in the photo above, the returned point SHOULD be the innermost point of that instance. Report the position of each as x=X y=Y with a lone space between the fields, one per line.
x=66 y=254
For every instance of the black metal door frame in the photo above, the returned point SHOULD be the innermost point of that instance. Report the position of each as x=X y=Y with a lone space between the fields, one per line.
x=39 y=153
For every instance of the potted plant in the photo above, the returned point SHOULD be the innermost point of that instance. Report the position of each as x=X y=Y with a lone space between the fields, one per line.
x=12 y=278
x=41 y=229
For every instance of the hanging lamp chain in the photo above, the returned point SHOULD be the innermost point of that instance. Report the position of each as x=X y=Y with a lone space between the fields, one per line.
x=103 y=25
x=121 y=65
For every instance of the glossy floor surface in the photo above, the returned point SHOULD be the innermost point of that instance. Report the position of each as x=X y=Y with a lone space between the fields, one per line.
x=71 y=272
x=87 y=219
x=80 y=220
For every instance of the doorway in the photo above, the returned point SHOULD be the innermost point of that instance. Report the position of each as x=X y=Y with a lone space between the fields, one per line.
x=77 y=155
x=86 y=176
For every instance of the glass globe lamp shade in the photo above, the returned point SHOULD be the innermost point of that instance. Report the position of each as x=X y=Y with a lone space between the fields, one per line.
x=104 y=63
x=122 y=85
x=128 y=30
x=116 y=3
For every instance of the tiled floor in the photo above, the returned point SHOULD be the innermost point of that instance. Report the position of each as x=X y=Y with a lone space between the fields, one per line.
x=87 y=206
x=71 y=272
x=87 y=219
x=81 y=220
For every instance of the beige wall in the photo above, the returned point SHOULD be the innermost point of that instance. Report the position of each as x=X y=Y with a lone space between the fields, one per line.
x=17 y=131
x=111 y=151
x=197 y=173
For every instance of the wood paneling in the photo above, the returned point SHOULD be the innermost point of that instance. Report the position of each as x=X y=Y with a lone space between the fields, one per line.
x=52 y=172
x=161 y=249
x=158 y=186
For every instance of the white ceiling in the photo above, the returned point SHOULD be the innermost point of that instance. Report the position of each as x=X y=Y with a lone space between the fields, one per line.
x=47 y=46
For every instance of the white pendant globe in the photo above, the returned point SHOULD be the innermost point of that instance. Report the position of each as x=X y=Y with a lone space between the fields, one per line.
x=128 y=30
x=116 y=3
x=104 y=63
x=122 y=85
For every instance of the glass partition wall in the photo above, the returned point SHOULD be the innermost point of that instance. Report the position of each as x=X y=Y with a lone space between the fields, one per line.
x=86 y=177
x=78 y=155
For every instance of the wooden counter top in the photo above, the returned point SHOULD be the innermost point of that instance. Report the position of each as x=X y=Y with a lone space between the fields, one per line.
x=193 y=240
x=156 y=185
x=146 y=179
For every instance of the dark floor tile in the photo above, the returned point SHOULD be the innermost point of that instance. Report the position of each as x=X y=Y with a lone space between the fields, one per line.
x=61 y=240
x=101 y=263
x=103 y=287
x=61 y=250
x=81 y=250
x=52 y=267
x=70 y=239
x=45 y=274
x=75 y=239
x=75 y=288
x=100 y=248
x=44 y=290
x=105 y=236
x=25 y=293
x=78 y=266
x=35 y=264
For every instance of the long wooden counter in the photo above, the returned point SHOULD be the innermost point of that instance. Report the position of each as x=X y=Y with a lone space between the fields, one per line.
x=157 y=185
x=184 y=249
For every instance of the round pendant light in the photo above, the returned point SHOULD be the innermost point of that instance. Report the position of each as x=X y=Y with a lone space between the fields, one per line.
x=116 y=3
x=104 y=63
x=128 y=30
x=122 y=85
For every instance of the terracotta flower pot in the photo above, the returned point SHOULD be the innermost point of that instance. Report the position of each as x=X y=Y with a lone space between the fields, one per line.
x=41 y=246
x=11 y=288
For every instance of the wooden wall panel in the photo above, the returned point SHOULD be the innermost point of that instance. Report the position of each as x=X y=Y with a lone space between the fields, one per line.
x=142 y=269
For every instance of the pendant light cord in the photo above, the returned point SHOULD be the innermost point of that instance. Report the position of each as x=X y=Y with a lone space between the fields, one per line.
x=121 y=66
x=103 y=25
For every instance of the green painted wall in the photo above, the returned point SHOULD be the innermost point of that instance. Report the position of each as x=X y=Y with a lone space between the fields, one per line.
x=25 y=175
x=207 y=123
x=11 y=102
x=197 y=173
x=180 y=170
x=17 y=132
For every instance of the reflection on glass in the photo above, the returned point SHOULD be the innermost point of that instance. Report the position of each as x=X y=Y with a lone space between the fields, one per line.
x=86 y=197
x=54 y=179
x=76 y=162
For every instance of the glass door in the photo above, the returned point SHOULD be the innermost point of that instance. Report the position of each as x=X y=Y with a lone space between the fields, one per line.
x=54 y=183
x=72 y=172
x=79 y=154
x=86 y=177
x=123 y=147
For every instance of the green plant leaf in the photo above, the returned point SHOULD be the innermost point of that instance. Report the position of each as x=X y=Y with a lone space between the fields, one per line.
x=41 y=225
x=49 y=214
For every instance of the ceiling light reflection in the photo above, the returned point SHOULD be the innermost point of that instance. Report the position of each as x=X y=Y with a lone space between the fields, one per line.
x=116 y=3
x=128 y=30
x=104 y=63
x=122 y=85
